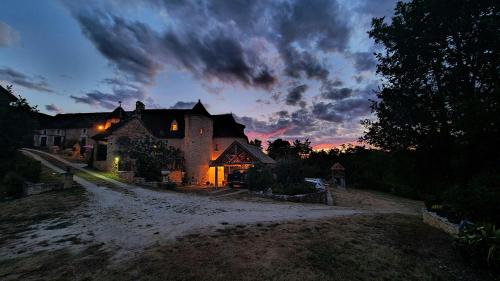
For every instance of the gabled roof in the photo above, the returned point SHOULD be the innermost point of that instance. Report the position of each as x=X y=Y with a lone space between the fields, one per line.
x=76 y=120
x=240 y=152
x=158 y=121
x=199 y=109
x=226 y=126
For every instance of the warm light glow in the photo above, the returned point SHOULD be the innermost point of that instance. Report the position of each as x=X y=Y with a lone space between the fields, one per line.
x=220 y=175
x=100 y=127
x=117 y=159
x=174 y=127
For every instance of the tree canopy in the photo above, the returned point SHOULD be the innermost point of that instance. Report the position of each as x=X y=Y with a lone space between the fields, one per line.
x=440 y=69
x=439 y=96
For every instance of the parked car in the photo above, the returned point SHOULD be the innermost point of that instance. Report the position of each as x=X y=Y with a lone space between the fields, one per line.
x=237 y=179
x=318 y=183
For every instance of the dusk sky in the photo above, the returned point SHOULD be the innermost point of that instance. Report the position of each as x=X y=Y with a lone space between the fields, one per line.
x=289 y=69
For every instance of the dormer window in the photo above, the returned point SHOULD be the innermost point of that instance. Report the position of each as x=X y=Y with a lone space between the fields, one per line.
x=174 y=127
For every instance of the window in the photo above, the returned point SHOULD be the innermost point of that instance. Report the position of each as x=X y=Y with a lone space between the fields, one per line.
x=174 y=127
x=201 y=131
x=58 y=131
x=216 y=147
x=44 y=132
x=84 y=131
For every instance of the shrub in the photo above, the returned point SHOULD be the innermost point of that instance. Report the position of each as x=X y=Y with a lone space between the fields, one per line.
x=478 y=201
x=28 y=168
x=11 y=185
x=259 y=177
x=293 y=188
x=481 y=244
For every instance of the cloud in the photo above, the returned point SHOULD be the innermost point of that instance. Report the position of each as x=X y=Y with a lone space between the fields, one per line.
x=53 y=108
x=326 y=111
x=295 y=94
x=129 y=46
x=217 y=56
x=183 y=105
x=8 y=35
x=303 y=63
x=15 y=77
x=364 y=61
x=331 y=92
x=120 y=93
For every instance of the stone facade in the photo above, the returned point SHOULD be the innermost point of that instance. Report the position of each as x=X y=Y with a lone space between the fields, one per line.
x=200 y=136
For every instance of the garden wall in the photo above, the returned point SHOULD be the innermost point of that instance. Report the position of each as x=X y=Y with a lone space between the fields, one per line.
x=436 y=221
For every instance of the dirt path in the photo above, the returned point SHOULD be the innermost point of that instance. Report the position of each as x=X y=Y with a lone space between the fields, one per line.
x=131 y=219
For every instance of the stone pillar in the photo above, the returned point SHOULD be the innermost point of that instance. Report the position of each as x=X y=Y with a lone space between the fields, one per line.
x=68 y=178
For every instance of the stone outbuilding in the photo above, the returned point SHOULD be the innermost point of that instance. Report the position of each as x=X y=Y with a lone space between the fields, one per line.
x=338 y=175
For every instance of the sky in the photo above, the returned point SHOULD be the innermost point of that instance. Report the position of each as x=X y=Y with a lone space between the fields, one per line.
x=292 y=69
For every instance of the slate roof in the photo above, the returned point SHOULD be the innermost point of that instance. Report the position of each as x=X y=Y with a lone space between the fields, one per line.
x=157 y=121
x=76 y=120
x=226 y=126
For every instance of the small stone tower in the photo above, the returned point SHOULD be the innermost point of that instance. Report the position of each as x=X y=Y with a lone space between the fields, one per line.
x=198 y=143
x=338 y=175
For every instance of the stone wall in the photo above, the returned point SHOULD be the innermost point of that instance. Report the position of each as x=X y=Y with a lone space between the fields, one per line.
x=319 y=197
x=133 y=129
x=437 y=221
x=197 y=147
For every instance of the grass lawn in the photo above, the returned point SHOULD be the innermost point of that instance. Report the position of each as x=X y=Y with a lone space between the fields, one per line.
x=381 y=247
x=16 y=216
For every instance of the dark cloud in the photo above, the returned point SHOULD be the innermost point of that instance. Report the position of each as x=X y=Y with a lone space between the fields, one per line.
x=53 y=108
x=337 y=94
x=36 y=82
x=354 y=106
x=326 y=111
x=295 y=94
x=8 y=35
x=129 y=46
x=217 y=56
x=364 y=61
x=320 y=23
x=379 y=8
x=299 y=63
x=183 y=105
x=110 y=100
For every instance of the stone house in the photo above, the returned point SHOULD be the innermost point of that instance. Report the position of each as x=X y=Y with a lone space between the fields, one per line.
x=201 y=136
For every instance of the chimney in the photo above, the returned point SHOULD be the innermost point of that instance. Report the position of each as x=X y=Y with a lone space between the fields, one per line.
x=139 y=107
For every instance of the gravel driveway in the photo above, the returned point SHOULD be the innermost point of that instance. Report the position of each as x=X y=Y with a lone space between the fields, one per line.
x=128 y=219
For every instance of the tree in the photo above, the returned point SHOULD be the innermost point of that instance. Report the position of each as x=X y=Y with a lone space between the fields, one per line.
x=440 y=94
x=150 y=156
x=256 y=142
x=18 y=121
x=279 y=149
x=301 y=149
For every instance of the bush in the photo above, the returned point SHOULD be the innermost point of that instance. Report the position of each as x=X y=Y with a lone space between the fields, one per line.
x=28 y=168
x=478 y=201
x=11 y=185
x=259 y=177
x=293 y=188
x=481 y=244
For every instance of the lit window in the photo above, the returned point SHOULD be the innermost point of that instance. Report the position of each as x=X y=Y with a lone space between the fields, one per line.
x=201 y=131
x=174 y=127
